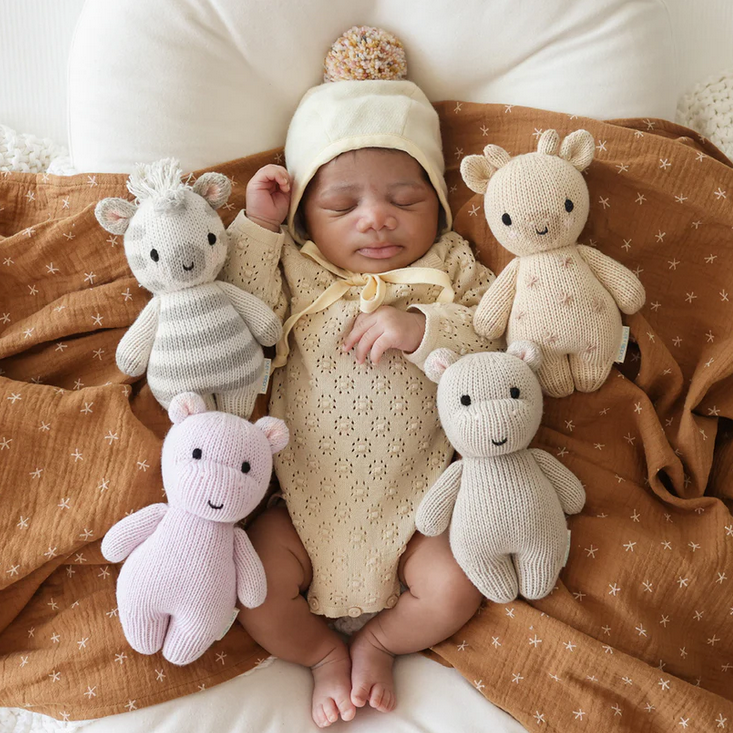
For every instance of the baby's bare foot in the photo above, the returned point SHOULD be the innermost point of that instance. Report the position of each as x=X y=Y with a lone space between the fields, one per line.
x=371 y=673
x=332 y=688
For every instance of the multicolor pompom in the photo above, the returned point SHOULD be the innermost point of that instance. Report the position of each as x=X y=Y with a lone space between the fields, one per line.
x=365 y=53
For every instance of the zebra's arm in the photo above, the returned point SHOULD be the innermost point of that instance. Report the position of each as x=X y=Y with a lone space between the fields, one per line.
x=261 y=320
x=135 y=346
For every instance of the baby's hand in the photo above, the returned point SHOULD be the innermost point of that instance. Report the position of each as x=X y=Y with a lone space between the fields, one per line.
x=268 y=197
x=386 y=328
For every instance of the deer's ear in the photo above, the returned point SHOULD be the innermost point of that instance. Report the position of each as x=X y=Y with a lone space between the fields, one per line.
x=114 y=214
x=578 y=149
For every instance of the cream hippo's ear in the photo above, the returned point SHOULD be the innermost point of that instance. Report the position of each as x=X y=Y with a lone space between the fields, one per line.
x=578 y=149
x=215 y=188
x=437 y=362
x=548 y=142
x=184 y=405
x=276 y=432
x=528 y=352
x=476 y=170
x=114 y=214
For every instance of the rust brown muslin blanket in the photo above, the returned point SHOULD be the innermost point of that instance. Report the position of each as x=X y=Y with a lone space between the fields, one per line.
x=637 y=635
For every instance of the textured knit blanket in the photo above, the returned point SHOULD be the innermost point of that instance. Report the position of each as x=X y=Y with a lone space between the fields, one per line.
x=637 y=635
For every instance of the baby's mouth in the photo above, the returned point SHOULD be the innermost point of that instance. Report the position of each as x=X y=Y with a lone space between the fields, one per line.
x=214 y=506
x=380 y=251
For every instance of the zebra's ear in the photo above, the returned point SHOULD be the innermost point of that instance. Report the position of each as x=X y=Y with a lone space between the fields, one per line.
x=214 y=188
x=114 y=214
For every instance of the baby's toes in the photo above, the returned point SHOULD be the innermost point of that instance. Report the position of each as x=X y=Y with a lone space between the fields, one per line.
x=346 y=707
x=377 y=698
x=360 y=694
x=325 y=714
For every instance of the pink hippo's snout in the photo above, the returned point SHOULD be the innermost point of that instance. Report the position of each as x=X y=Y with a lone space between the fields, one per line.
x=217 y=492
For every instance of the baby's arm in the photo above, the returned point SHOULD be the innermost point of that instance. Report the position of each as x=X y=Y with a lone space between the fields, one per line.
x=624 y=286
x=450 y=325
x=123 y=537
x=251 y=580
x=436 y=509
x=257 y=239
x=133 y=350
x=567 y=485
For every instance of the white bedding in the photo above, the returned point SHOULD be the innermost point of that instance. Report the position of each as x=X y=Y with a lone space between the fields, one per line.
x=35 y=37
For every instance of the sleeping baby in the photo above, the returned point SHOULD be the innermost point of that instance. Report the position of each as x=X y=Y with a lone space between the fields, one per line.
x=368 y=279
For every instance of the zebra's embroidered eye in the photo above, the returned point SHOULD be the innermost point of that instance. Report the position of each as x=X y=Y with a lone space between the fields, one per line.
x=569 y=205
x=212 y=238
x=245 y=467
x=154 y=256
x=196 y=453
x=506 y=219
x=514 y=393
x=465 y=400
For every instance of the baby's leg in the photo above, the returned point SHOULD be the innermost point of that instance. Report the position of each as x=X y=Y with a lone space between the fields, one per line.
x=284 y=625
x=439 y=600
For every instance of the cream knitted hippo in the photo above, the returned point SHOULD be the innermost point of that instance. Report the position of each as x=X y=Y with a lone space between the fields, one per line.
x=187 y=561
x=197 y=333
x=505 y=503
x=557 y=293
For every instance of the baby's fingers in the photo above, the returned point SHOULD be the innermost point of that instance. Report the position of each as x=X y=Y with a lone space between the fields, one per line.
x=365 y=344
x=362 y=324
x=382 y=344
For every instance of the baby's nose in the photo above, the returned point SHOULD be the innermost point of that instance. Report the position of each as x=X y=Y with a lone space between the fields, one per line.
x=376 y=216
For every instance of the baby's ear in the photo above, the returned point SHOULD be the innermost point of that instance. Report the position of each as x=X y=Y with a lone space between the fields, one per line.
x=214 y=187
x=184 y=405
x=477 y=169
x=276 y=432
x=114 y=214
x=578 y=149
x=528 y=352
x=437 y=362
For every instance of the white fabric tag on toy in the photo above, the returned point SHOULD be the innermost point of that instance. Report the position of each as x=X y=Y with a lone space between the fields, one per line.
x=624 y=345
x=235 y=613
x=266 y=376
x=567 y=552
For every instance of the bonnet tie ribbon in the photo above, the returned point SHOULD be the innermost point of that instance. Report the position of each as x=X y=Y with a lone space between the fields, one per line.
x=373 y=293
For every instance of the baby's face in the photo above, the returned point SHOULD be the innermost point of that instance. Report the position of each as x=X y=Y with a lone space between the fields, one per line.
x=371 y=210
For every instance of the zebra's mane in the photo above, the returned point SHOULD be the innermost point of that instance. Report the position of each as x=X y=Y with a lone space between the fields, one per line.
x=160 y=181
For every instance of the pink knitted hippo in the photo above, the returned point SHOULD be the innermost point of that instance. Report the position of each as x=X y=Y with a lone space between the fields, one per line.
x=188 y=562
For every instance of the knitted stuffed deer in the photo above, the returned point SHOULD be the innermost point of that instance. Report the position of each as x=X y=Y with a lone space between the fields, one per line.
x=188 y=561
x=505 y=503
x=197 y=333
x=562 y=295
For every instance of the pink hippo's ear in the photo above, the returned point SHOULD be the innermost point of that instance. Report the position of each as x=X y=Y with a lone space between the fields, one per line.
x=276 y=432
x=214 y=187
x=528 y=352
x=184 y=405
x=114 y=214
x=437 y=362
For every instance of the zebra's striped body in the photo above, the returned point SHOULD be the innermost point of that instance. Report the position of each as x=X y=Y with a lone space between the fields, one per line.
x=214 y=353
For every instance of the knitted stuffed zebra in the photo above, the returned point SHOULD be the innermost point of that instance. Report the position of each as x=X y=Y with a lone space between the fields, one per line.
x=197 y=333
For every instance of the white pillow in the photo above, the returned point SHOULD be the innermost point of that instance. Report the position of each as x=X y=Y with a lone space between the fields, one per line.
x=212 y=80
